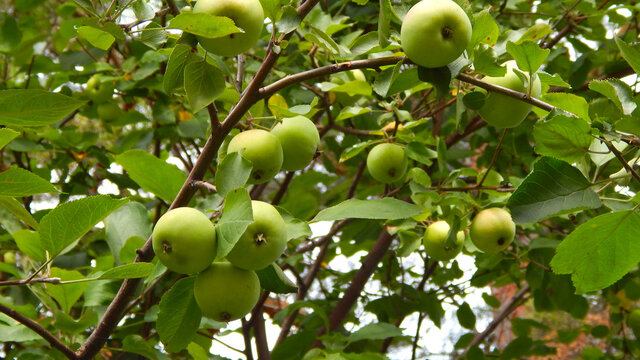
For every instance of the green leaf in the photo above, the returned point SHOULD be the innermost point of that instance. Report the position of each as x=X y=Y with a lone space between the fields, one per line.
x=138 y=345
x=68 y=324
x=384 y=23
x=600 y=251
x=6 y=135
x=466 y=317
x=96 y=37
x=553 y=187
x=237 y=215
x=174 y=74
x=232 y=173
x=617 y=91
x=273 y=279
x=17 y=209
x=128 y=271
x=29 y=244
x=385 y=208
x=20 y=182
x=319 y=37
x=440 y=78
x=385 y=78
x=34 y=107
x=355 y=87
x=203 y=83
x=17 y=333
x=67 y=294
x=205 y=25
x=152 y=174
x=528 y=55
x=563 y=137
x=289 y=20
x=485 y=30
x=10 y=34
x=570 y=103
x=354 y=150
x=535 y=33
x=179 y=316
x=376 y=331
x=69 y=221
x=630 y=53
x=553 y=80
x=131 y=219
x=351 y=111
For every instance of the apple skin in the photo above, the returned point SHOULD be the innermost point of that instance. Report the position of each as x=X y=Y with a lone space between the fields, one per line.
x=387 y=162
x=633 y=319
x=492 y=230
x=435 y=238
x=224 y=292
x=108 y=111
x=435 y=32
x=503 y=111
x=263 y=241
x=184 y=240
x=299 y=139
x=99 y=91
x=246 y=14
x=262 y=149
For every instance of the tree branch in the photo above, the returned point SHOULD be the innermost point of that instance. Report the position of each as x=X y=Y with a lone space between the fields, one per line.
x=52 y=340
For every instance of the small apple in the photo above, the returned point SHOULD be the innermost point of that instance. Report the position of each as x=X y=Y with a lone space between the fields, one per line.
x=435 y=32
x=299 y=139
x=503 y=111
x=262 y=149
x=99 y=91
x=10 y=258
x=492 y=230
x=387 y=162
x=263 y=241
x=435 y=241
x=184 y=240
x=109 y=111
x=224 y=292
x=633 y=319
x=246 y=14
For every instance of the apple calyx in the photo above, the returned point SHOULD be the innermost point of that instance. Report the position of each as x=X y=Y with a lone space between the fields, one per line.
x=225 y=316
x=447 y=32
x=166 y=247
x=260 y=238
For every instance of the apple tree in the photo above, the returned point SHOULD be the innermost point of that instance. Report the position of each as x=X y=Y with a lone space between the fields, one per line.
x=353 y=175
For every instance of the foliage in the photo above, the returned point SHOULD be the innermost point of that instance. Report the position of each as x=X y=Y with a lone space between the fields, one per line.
x=80 y=188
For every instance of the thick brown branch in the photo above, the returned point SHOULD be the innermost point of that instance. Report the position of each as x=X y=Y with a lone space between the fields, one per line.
x=52 y=340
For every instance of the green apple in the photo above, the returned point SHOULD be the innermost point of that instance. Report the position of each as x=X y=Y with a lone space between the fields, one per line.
x=492 y=230
x=246 y=14
x=435 y=241
x=435 y=32
x=263 y=241
x=109 y=111
x=10 y=258
x=503 y=111
x=224 y=292
x=387 y=162
x=184 y=240
x=99 y=91
x=299 y=139
x=262 y=149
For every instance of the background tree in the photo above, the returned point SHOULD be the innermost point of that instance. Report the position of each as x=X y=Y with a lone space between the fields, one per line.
x=111 y=114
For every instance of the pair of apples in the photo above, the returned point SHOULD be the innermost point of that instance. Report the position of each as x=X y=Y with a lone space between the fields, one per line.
x=184 y=240
x=491 y=231
x=434 y=33
x=290 y=145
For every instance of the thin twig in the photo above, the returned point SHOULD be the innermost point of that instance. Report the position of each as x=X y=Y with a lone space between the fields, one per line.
x=620 y=158
x=496 y=152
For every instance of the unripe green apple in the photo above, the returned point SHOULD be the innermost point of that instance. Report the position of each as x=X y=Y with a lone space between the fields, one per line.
x=299 y=139
x=224 y=292
x=435 y=32
x=387 y=162
x=492 y=230
x=99 y=91
x=184 y=240
x=263 y=241
x=435 y=241
x=246 y=14
x=10 y=258
x=503 y=111
x=633 y=319
x=262 y=149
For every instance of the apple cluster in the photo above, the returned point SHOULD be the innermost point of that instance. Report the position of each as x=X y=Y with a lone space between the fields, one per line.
x=184 y=240
x=491 y=231
x=290 y=145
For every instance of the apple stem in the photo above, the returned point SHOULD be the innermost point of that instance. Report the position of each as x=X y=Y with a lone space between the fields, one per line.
x=447 y=32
